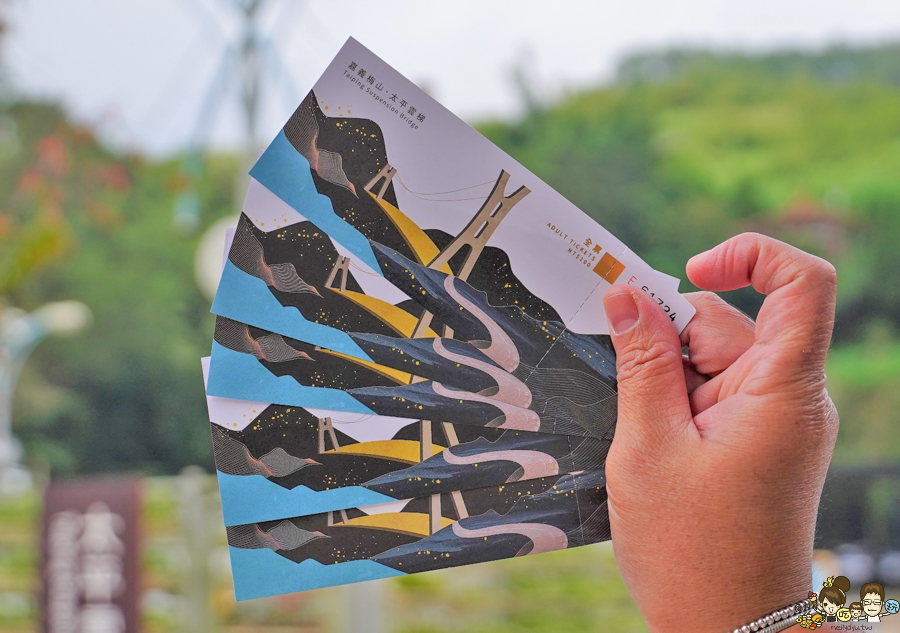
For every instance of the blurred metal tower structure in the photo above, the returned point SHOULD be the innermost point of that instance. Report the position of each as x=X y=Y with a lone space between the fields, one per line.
x=250 y=56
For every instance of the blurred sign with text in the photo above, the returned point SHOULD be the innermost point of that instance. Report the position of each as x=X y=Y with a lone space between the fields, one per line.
x=90 y=553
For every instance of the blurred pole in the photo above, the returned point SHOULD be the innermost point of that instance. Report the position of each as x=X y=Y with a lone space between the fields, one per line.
x=243 y=60
x=365 y=607
x=252 y=71
x=198 y=536
x=20 y=334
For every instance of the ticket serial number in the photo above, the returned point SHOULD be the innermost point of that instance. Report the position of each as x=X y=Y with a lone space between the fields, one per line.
x=662 y=304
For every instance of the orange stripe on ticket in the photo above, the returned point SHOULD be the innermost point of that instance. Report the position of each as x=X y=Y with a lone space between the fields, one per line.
x=609 y=268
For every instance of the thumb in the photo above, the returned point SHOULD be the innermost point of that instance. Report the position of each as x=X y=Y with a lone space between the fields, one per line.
x=653 y=399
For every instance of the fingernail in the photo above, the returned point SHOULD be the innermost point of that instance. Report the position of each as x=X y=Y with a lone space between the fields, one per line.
x=621 y=311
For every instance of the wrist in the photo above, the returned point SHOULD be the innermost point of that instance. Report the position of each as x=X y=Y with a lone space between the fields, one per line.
x=746 y=581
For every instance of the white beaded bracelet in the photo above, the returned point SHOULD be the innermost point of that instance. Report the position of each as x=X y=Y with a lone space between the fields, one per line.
x=778 y=620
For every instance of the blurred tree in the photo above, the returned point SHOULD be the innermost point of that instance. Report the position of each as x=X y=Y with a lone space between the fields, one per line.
x=85 y=224
x=689 y=147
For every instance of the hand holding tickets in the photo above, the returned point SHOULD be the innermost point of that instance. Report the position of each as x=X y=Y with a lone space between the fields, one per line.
x=422 y=354
x=715 y=479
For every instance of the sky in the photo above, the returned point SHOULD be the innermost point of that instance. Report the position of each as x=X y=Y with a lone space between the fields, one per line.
x=149 y=75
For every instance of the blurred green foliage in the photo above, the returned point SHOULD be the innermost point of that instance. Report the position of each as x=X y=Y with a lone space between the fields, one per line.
x=682 y=151
x=19 y=518
x=686 y=149
x=127 y=394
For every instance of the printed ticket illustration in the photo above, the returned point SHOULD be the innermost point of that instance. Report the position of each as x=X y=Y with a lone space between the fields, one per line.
x=276 y=461
x=415 y=535
x=491 y=257
x=411 y=367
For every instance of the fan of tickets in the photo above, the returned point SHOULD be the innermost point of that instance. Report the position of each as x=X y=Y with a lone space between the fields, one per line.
x=410 y=369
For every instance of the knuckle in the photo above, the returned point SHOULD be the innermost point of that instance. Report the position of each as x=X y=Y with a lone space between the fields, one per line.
x=717 y=309
x=705 y=300
x=823 y=415
x=751 y=236
x=824 y=271
x=816 y=277
x=781 y=260
x=642 y=360
x=617 y=459
x=751 y=239
x=742 y=249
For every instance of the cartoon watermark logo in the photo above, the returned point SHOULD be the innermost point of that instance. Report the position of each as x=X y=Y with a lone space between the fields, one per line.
x=829 y=604
x=871 y=595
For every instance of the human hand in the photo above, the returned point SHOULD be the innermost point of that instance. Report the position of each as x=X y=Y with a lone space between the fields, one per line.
x=715 y=473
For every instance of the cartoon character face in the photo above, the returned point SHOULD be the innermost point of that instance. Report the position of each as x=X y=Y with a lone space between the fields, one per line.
x=831 y=607
x=855 y=613
x=871 y=604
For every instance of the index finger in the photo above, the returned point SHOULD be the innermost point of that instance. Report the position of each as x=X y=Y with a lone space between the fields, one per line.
x=800 y=291
x=718 y=334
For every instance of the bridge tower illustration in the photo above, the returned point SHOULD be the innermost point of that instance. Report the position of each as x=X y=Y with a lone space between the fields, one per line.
x=482 y=226
x=326 y=432
x=473 y=237
x=342 y=268
x=387 y=174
